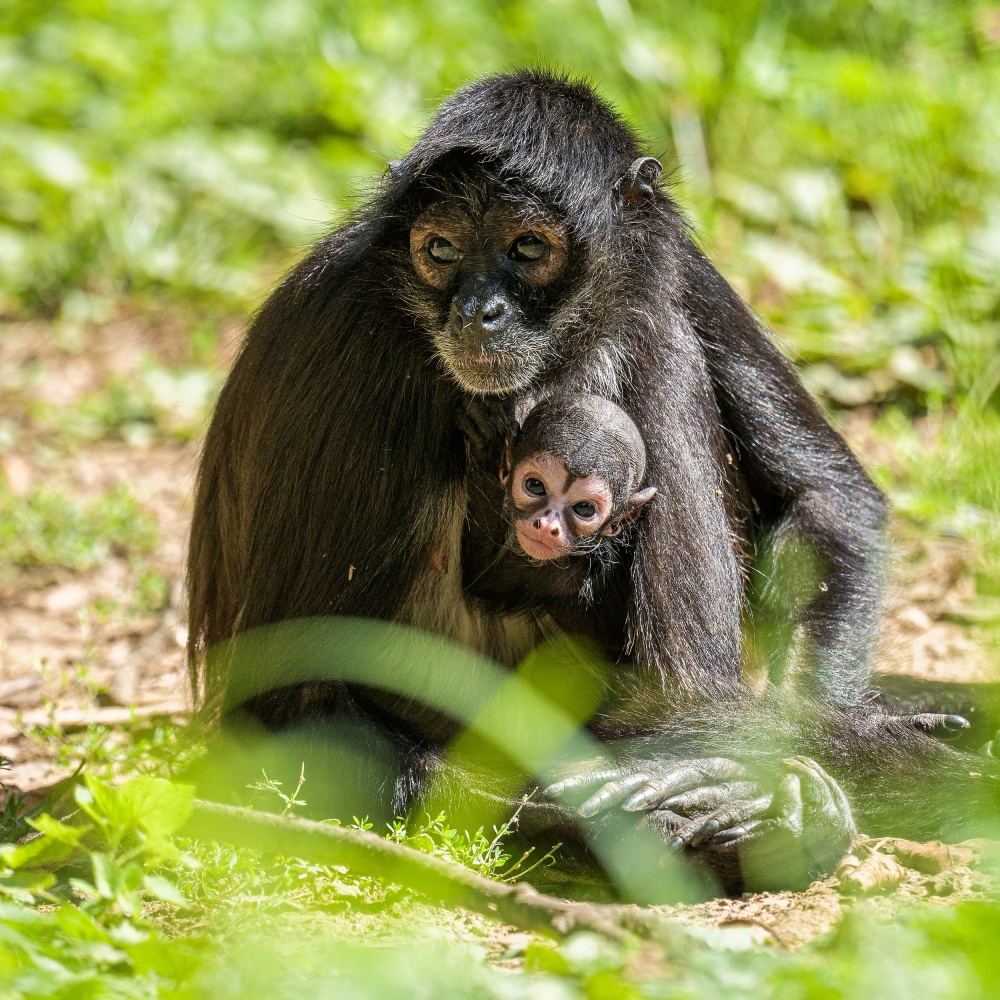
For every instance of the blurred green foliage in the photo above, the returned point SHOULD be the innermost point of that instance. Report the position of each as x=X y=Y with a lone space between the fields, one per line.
x=152 y=403
x=842 y=157
x=115 y=874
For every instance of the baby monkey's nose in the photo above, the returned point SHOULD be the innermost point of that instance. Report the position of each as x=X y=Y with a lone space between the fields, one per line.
x=547 y=520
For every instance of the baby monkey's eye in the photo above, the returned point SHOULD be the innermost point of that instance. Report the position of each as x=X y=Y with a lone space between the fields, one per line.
x=442 y=251
x=584 y=509
x=527 y=248
x=535 y=487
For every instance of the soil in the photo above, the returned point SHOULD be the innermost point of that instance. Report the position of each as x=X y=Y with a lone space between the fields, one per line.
x=74 y=649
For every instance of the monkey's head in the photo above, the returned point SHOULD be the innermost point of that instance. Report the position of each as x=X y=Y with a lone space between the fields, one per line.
x=573 y=476
x=519 y=203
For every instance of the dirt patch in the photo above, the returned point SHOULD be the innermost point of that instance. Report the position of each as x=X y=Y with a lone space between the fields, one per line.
x=791 y=919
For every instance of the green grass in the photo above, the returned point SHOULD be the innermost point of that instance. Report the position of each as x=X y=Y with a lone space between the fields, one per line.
x=46 y=528
x=116 y=875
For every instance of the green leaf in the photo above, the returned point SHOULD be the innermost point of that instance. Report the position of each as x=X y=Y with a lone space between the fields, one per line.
x=157 y=806
x=164 y=890
x=38 y=851
x=24 y=886
x=107 y=875
x=57 y=831
x=99 y=802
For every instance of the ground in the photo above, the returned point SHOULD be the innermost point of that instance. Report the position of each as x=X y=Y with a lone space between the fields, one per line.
x=79 y=646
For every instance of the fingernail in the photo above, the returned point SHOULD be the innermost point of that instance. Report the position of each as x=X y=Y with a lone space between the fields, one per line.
x=553 y=790
x=727 y=836
x=634 y=802
x=590 y=808
x=676 y=843
x=955 y=722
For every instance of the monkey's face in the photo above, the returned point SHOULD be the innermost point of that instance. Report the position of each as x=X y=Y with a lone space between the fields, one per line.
x=486 y=279
x=556 y=513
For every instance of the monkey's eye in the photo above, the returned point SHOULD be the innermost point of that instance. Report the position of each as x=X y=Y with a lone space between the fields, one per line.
x=584 y=510
x=535 y=487
x=527 y=248
x=442 y=251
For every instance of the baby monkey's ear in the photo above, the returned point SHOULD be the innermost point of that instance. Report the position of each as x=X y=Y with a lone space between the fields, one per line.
x=506 y=462
x=638 y=501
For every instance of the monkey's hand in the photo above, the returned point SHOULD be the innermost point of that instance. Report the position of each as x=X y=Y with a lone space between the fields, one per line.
x=715 y=805
x=649 y=784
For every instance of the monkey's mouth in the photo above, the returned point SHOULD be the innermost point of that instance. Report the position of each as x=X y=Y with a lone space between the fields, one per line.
x=509 y=368
x=539 y=550
x=484 y=362
x=493 y=373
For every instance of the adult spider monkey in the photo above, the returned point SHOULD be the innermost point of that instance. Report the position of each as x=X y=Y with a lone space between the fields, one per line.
x=524 y=247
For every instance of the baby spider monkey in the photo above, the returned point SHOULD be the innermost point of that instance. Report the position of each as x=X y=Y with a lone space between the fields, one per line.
x=553 y=535
x=573 y=477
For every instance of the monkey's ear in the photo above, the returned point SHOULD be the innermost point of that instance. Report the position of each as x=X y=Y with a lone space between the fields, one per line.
x=639 y=182
x=392 y=169
x=639 y=500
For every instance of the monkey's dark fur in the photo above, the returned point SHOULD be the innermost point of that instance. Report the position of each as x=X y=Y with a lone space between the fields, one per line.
x=336 y=462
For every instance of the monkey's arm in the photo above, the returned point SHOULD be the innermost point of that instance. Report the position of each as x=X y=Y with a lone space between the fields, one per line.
x=804 y=480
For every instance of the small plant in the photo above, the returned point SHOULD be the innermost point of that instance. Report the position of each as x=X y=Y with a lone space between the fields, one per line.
x=483 y=854
x=291 y=802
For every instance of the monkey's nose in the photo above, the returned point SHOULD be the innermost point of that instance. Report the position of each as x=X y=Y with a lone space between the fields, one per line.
x=491 y=316
x=547 y=521
x=474 y=320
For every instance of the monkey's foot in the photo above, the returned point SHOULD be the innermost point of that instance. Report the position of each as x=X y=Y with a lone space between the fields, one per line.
x=782 y=841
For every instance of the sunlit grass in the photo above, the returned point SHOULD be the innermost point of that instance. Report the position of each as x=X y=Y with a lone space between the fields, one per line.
x=47 y=528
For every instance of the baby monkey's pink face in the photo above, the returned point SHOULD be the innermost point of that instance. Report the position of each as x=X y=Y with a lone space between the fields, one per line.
x=555 y=510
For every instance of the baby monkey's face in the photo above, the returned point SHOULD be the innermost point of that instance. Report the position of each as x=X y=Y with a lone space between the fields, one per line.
x=555 y=511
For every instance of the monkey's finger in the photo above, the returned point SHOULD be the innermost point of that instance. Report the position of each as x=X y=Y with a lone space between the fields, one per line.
x=686 y=776
x=577 y=781
x=662 y=787
x=703 y=828
x=664 y=821
x=708 y=797
x=930 y=722
x=689 y=777
x=612 y=793
x=735 y=834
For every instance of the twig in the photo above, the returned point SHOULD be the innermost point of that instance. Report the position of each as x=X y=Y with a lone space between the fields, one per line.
x=444 y=881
